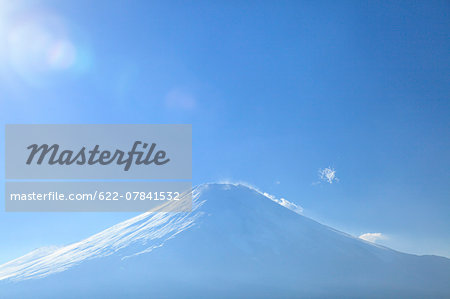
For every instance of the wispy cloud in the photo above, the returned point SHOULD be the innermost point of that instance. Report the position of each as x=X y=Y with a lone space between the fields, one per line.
x=327 y=175
x=372 y=237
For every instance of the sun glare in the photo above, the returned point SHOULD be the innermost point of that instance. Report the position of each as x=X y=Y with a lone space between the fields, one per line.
x=35 y=44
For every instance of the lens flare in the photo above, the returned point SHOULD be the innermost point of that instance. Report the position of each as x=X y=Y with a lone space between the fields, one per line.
x=62 y=55
x=40 y=46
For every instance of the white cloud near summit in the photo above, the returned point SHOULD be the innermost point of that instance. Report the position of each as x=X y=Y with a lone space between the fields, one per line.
x=372 y=237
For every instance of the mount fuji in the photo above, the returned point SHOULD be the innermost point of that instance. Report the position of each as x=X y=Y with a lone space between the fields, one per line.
x=236 y=242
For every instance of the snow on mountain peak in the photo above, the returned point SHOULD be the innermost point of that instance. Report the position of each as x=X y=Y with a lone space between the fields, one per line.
x=237 y=240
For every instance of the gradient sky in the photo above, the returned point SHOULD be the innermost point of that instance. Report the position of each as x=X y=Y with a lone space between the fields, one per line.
x=274 y=90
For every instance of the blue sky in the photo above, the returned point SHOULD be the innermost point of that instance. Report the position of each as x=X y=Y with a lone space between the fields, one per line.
x=275 y=91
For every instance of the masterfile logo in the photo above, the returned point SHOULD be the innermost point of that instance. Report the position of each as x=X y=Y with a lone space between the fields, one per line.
x=98 y=151
x=68 y=157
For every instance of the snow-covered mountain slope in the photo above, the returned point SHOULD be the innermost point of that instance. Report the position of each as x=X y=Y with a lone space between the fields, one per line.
x=237 y=242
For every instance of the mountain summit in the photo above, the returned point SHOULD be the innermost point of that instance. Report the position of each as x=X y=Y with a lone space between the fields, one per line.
x=236 y=242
